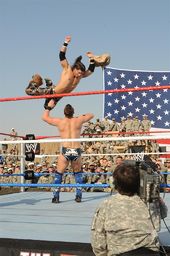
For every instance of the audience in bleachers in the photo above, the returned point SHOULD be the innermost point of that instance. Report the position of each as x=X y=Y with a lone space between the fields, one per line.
x=99 y=159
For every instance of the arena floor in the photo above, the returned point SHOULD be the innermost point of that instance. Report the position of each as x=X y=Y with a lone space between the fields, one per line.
x=32 y=216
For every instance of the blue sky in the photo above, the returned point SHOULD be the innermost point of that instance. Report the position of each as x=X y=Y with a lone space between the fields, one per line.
x=136 y=34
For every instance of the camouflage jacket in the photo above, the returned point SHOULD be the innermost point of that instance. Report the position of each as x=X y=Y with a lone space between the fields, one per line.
x=121 y=224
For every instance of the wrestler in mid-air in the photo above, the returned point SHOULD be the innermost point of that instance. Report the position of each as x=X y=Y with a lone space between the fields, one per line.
x=70 y=76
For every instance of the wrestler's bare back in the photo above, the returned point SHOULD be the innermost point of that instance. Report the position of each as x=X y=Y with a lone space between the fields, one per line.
x=70 y=128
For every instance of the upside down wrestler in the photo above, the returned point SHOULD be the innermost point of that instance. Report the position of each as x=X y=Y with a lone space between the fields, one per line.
x=70 y=76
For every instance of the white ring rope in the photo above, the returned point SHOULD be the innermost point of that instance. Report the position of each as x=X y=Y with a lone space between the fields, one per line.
x=129 y=138
x=99 y=154
x=109 y=154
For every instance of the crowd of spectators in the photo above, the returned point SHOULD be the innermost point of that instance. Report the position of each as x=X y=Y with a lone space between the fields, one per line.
x=99 y=159
x=128 y=125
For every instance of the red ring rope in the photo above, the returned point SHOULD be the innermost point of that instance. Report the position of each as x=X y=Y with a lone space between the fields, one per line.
x=153 y=88
x=90 y=134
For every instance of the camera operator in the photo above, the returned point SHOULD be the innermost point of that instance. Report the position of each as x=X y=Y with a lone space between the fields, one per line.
x=122 y=224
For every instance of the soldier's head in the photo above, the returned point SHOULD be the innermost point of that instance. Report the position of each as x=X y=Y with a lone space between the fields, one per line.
x=68 y=111
x=119 y=160
x=126 y=179
x=167 y=162
x=123 y=119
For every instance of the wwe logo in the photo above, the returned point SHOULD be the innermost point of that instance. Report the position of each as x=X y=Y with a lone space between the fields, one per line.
x=138 y=156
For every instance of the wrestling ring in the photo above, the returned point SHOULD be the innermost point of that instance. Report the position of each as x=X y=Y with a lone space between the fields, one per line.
x=32 y=225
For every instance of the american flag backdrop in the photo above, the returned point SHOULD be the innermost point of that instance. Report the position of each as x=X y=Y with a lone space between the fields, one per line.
x=155 y=104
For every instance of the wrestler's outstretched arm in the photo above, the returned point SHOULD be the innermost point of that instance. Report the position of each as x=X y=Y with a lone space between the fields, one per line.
x=86 y=117
x=46 y=115
x=62 y=54
x=91 y=67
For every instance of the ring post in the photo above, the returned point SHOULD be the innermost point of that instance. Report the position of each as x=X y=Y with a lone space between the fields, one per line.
x=22 y=165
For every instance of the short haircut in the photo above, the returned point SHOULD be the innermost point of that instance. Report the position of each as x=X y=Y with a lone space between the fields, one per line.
x=119 y=156
x=68 y=111
x=78 y=64
x=127 y=179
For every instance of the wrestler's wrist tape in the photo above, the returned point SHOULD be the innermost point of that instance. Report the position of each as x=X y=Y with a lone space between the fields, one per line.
x=92 y=61
x=65 y=44
x=62 y=55
x=92 y=65
x=48 y=108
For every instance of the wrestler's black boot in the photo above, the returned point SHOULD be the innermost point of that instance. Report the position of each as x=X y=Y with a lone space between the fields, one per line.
x=48 y=82
x=79 y=180
x=55 y=200
x=78 y=199
x=48 y=100
x=56 y=191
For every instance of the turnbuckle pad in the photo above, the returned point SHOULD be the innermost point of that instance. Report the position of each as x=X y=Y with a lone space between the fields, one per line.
x=29 y=175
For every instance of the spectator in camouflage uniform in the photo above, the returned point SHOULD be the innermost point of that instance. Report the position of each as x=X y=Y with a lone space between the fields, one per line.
x=128 y=125
x=98 y=128
x=4 y=147
x=162 y=169
x=98 y=178
x=47 y=177
x=1 y=172
x=88 y=128
x=145 y=124
x=114 y=126
x=154 y=146
x=168 y=176
x=16 y=179
x=97 y=146
x=105 y=123
x=122 y=222
x=122 y=126
x=89 y=177
x=6 y=178
x=44 y=157
x=13 y=133
x=136 y=124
